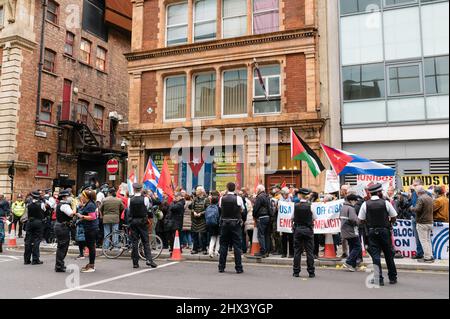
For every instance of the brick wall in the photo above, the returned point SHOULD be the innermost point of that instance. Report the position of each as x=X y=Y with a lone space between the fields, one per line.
x=148 y=97
x=294 y=14
x=151 y=20
x=295 y=83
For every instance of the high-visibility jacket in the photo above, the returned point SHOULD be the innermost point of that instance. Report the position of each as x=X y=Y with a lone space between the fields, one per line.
x=18 y=208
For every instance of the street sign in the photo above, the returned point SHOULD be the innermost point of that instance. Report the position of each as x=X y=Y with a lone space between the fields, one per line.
x=112 y=177
x=112 y=166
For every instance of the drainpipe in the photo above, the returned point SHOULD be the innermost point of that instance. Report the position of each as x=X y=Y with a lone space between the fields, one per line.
x=41 y=61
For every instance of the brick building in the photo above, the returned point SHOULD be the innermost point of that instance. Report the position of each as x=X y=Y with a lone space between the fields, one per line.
x=193 y=62
x=59 y=129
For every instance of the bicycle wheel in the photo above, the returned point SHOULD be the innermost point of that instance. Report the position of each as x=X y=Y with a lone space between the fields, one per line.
x=113 y=249
x=156 y=247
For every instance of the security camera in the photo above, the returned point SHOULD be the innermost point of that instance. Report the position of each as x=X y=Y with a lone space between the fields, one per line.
x=123 y=145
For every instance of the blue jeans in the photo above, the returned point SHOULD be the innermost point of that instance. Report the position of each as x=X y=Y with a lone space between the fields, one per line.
x=263 y=234
x=355 y=250
x=108 y=229
x=200 y=241
x=186 y=238
x=419 y=249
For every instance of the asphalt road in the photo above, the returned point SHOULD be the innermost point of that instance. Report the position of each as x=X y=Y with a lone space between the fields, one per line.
x=115 y=279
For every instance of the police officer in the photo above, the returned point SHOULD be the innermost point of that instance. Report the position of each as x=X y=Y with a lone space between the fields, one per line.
x=379 y=214
x=303 y=228
x=64 y=215
x=34 y=229
x=231 y=228
x=138 y=218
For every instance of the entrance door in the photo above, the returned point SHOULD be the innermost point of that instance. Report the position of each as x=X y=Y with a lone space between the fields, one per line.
x=67 y=97
x=294 y=180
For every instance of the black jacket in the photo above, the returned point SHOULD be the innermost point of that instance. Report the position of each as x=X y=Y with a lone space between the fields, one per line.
x=262 y=206
x=175 y=216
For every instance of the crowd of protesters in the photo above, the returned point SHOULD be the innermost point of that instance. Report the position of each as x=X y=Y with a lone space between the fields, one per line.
x=100 y=210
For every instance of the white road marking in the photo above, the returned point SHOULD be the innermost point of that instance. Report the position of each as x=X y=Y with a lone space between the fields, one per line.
x=65 y=291
x=11 y=257
x=133 y=294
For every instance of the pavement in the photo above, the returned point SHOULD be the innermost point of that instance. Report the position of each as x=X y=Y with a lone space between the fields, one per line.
x=115 y=279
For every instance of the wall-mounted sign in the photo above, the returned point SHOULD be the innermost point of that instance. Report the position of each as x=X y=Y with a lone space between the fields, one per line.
x=40 y=134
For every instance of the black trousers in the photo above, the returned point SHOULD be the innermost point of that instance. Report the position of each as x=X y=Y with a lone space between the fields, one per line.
x=303 y=241
x=91 y=240
x=16 y=220
x=230 y=234
x=139 y=231
x=380 y=241
x=62 y=233
x=33 y=238
x=287 y=240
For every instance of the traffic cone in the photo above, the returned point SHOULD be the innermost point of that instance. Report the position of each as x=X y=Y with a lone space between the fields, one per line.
x=12 y=242
x=256 y=247
x=176 y=253
x=86 y=252
x=363 y=246
x=330 y=252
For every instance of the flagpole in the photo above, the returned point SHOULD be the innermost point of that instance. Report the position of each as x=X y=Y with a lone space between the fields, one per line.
x=334 y=170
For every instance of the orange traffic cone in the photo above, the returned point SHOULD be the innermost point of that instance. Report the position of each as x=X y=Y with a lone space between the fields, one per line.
x=256 y=247
x=12 y=242
x=363 y=245
x=176 y=253
x=330 y=252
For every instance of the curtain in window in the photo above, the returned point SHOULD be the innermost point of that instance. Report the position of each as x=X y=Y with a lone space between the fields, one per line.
x=176 y=98
x=205 y=95
x=177 y=22
x=266 y=16
x=234 y=18
x=235 y=92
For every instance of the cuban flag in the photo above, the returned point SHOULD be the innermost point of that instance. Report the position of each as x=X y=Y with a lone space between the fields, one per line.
x=130 y=181
x=196 y=173
x=151 y=178
x=345 y=163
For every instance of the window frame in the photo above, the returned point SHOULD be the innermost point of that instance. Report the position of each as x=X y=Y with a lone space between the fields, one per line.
x=398 y=65
x=81 y=115
x=253 y=13
x=166 y=120
x=194 y=95
x=97 y=119
x=89 y=54
x=223 y=95
x=41 y=110
x=176 y=25
x=261 y=98
x=53 y=63
x=2 y=17
x=360 y=66
x=97 y=59
x=195 y=23
x=46 y=164
x=435 y=75
x=55 y=14
x=234 y=17
x=71 y=44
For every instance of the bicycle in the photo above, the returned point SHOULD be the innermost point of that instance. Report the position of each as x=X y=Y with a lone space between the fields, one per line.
x=118 y=242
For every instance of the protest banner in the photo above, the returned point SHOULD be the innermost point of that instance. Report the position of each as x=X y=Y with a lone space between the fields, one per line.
x=439 y=240
x=366 y=180
x=326 y=216
x=427 y=180
x=332 y=184
x=285 y=215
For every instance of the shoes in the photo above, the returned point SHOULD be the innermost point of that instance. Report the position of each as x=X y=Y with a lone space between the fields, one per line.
x=27 y=262
x=296 y=275
x=60 y=269
x=88 y=268
x=205 y=252
x=429 y=261
x=259 y=255
x=211 y=256
x=136 y=266
x=80 y=258
x=221 y=270
x=267 y=255
x=291 y=256
x=312 y=275
x=349 y=267
x=393 y=282
x=283 y=256
x=37 y=262
x=343 y=256
x=240 y=271
x=194 y=252
x=151 y=264
x=380 y=283
x=417 y=257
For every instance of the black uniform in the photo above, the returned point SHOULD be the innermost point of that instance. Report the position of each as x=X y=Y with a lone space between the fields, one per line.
x=303 y=237
x=378 y=224
x=62 y=232
x=34 y=231
x=138 y=217
x=230 y=232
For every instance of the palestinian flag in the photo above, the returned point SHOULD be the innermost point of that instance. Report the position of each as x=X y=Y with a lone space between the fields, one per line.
x=300 y=151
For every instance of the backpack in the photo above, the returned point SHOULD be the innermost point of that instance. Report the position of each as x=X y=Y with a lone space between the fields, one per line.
x=212 y=215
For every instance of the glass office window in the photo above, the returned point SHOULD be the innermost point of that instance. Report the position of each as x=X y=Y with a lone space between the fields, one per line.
x=364 y=112
x=389 y=3
x=205 y=16
x=410 y=109
x=437 y=107
x=435 y=27
x=363 y=81
x=234 y=18
x=177 y=24
x=404 y=79
x=436 y=75
x=354 y=6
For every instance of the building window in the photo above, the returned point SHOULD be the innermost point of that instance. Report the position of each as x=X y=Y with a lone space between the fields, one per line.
x=360 y=112
x=82 y=111
x=265 y=16
x=234 y=18
x=235 y=92
x=357 y=6
x=363 y=82
x=436 y=75
x=205 y=16
x=269 y=101
x=435 y=28
x=390 y=3
x=177 y=24
x=85 y=53
x=98 y=117
x=45 y=114
x=42 y=164
x=49 y=60
x=405 y=79
x=94 y=18
x=2 y=17
x=175 y=98
x=70 y=40
x=205 y=95
x=52 y=12
x=101 y=59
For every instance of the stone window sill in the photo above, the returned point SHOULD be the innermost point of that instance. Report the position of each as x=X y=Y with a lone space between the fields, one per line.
x=69 y=57
x=50 y=73
x=43 y=177
x=85 y=64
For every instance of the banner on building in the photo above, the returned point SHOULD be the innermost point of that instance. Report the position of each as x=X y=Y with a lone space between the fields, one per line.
x=405 y=241
x=326 y=216
x=285 y=215
x=427 y=180
x=332 y=184
x=366 y=180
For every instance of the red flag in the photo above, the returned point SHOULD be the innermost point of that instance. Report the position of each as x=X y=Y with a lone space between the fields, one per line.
x=337 y=158
x=165 y=182
x=284 y=185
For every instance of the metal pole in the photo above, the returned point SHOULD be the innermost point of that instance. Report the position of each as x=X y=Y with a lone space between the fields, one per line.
x=41 y=61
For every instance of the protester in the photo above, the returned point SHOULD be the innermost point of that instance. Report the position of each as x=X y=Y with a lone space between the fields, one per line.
x=4 y=213
x=244 y=195
x=186 y=239
x=201 y=202
x=110 y=210
x=440 y=205
x=287 y=240
x=18 y=209
x=175 y=218
x=413 y=201
x=249 y=224
x=424 y=219
x=212 y=216
x=349 y=231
